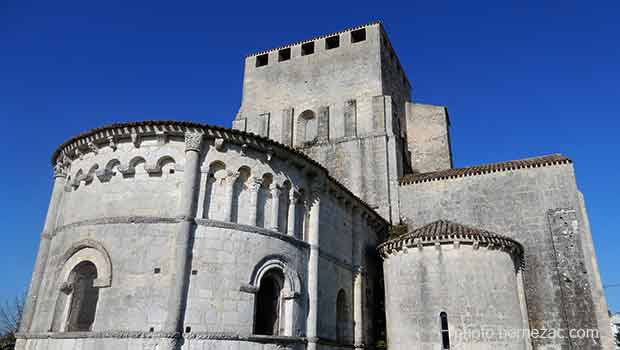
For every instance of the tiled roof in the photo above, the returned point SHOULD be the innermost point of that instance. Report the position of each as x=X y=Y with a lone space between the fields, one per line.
x=446 y=231
x=445 y=228
x=536 y=162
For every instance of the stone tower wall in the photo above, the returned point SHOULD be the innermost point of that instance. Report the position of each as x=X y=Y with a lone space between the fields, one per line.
x=428 y=137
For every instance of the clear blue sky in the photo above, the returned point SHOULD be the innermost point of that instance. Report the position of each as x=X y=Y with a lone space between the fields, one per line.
x=520 y=78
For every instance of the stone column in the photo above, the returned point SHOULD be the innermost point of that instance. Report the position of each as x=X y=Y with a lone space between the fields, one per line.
x=255 y=184
x=275 y=206
x=313 y=266
x=358 y=279
x=292 y=206
x=228 y=196
x=60 y=180
x=182 y=248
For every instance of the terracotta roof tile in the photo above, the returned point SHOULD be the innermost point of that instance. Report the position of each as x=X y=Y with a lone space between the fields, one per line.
x=547 y=160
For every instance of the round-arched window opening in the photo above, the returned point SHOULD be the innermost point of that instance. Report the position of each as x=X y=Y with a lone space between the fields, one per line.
x=268 y=303
x=309 y=128
x=84 y=297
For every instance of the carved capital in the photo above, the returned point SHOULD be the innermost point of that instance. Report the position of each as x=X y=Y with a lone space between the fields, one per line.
x=231 y=177
x=112 y=143
x=61 y=168
x=193 y=141
x=92 y=147
x=274 y=189
x=219 y=144
x=294 y=195
x=66 y=287
x=255 y=184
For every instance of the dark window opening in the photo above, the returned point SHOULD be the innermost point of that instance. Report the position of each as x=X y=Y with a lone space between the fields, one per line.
x=171 y=171
x=188 y=329
x=284 y=55
x=332 y=42
x=307 y=48
x=268 y=304
x=194 y=272
x=156 y=270
x=152 y=329
x=262 y=60
x=358 y=35
x=342 y=317
x=445 y=332
x=84 y=298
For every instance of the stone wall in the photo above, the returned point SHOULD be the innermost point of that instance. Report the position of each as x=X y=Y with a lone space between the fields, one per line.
x=126 y=205
x=516 y=203
x=476 y=288
x=428 y=137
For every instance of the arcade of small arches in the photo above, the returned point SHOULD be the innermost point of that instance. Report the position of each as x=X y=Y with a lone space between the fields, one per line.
x=262 y=200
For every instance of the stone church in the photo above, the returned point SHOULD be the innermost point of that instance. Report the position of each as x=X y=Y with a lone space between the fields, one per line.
x=329 y=216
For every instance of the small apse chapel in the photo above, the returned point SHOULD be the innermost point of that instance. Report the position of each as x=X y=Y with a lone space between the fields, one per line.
x=328 y=217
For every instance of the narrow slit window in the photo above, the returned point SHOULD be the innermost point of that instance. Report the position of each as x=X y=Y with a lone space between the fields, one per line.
x=284 y=55
x=358 y=35
x=445 y=332
x=262 y=60
x=332 y=42
x=307 y=48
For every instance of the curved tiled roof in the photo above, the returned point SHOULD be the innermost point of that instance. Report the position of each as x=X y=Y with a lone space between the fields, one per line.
x=536 y=162
x=448 y=231
x=124 y=129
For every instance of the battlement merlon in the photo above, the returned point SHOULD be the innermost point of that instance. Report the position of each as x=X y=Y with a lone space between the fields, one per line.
x=329 y=71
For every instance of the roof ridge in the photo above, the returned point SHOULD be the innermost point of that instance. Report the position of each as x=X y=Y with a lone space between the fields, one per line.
x=544 y=160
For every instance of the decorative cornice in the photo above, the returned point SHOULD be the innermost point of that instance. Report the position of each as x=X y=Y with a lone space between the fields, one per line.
x=252 y=229
x=118 y=220
x=537 y=162
x=126 y=334
x=135 y=131
x=115 y=334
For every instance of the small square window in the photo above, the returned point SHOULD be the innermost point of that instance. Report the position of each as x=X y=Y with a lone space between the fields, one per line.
x=332 y=42
x=307 y=48
x=262 y=60
x=188 y=329
x=358 y=35
x=152 y=329
x=194 y=272
x=284 y=55
x=156 y=270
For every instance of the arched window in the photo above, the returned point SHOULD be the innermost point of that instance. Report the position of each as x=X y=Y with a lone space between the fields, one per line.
x=445 y=332
x=308 y=127
x=84 y=297
x=268 y=302
x=342 y=317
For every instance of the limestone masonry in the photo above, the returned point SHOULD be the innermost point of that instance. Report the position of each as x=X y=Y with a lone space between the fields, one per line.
x=329 y=217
